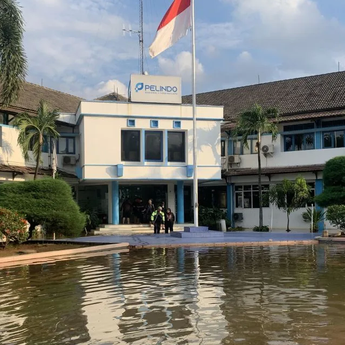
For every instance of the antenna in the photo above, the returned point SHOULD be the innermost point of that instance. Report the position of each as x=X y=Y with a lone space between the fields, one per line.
x=338 y=66
x=140 y=34
x=258 y=78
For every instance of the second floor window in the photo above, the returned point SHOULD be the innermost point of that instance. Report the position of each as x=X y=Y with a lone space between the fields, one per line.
x=66 y=145
x=240 y=149
x=130 y=146
x=333 y=139
x=299 y=142
x=153 y=146
x=222 y=147
x=176 y=147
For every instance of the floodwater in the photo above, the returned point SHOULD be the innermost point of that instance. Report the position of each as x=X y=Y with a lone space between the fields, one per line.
x=252 y=295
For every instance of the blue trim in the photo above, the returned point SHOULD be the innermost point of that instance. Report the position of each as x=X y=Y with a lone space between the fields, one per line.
x=318 y=141
x=177 y=124
x=150 y=179
x=190 y=170
x=7 y=126
x=180 y=202
x=146 y=117
x=119 y=170
x=230 y=201
x=65 y=135
x=150 y=166
x=166 y=153
x=130 y=123
x=79 y=172
x=318 y=191
x=154 y=124
x=115 y=203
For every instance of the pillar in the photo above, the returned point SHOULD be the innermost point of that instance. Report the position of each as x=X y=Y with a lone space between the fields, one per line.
x=115 y=203
x=230 y=202
x=180 y=202
x=318 y=191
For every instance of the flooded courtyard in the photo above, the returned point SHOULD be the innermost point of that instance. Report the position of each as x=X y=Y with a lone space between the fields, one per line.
x=235 y=295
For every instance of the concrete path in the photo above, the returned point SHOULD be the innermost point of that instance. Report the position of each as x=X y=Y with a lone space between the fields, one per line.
x=230 y=238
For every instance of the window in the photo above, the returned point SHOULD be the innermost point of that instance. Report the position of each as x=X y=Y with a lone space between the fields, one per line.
x=66 y=145
x=45 y=146
x=130 y=123
x=333 y=139
x=240 y=149
x=177 y=124
x=299 y=142
x=299 y=127
x=154 y=123
x=153 y=146
x=4 y=119
x=222 y=147
x=130 y=146
x=176 y=147
x=248 y=196
x=334 y=123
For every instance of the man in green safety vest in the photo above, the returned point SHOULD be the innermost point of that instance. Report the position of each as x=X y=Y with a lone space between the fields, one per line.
x=157 y=219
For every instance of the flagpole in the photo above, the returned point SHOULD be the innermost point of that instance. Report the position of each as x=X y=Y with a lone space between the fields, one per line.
x=195 y=147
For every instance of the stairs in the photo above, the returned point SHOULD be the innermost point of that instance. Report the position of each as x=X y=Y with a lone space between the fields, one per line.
x=129 y=229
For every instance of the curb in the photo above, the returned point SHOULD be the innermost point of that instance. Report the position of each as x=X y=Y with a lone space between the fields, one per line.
x=60 y=253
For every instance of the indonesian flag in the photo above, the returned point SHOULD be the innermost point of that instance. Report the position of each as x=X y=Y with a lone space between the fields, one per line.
x=173 y=26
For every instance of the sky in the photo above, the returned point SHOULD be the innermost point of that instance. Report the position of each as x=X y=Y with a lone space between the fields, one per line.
x=78 y=47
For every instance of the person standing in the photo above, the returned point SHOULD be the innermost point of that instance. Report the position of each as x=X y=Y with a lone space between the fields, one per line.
x=126 y=211
x=157 y=218
x=169 y=221
x=149 y=210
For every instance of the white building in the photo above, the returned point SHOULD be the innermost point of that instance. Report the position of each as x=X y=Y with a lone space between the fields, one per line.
x=112 y=149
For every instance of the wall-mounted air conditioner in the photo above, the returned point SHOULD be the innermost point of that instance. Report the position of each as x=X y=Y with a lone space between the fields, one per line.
x=267 y=149
x=234 y=159
x=69 y=160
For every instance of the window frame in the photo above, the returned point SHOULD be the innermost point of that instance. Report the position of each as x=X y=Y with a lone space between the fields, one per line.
x=304 y=142
x=177 y=124
x=241 y=190
x=131 y=123
x=68 y=151
x=145 y=146
x=140 y=145
x=154 y=124
x=333 y=136
x=184 y=146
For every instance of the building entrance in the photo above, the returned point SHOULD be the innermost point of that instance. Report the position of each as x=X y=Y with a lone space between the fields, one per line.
x=134 y=202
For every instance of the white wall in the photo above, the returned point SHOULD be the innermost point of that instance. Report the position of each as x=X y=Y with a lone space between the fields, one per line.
x=100 y=133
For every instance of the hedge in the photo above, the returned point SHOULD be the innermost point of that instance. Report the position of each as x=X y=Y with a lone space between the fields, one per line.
x=47 y=202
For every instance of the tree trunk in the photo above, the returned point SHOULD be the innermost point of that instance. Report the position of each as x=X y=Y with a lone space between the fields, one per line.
x=288 y=222
x=261 y=216
x=38 y=158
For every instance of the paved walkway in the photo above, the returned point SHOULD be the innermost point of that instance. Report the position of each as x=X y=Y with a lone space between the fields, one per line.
x=229 y=238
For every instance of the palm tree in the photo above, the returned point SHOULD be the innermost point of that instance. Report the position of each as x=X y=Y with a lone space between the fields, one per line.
x=34 y=129
x=257 y=121
x=12 y=56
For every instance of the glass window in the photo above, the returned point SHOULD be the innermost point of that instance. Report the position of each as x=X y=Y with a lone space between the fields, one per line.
x=222 y=148
x=334 y=123
x=247 y=150
x=248 y=196
x=177 y=124
x=153 y=146
x=298 y=142
x=327 y=140
x=309 y=141
x=154 y=123
x=4 y=119
x=298 y=127
x=176 y=147
x=237 y=148
x=339 y=139
x=239 y=200
x=288 y=142
x=130 y=123
x=130 y=146
x=45 y=146
x=66 y=145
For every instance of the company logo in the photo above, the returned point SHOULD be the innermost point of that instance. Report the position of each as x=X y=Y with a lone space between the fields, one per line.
x=139 y=87
x=155 y=88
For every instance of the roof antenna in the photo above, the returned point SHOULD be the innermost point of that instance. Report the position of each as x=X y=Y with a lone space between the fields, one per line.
x=258 y=78
x=42 y=82
x=338 y=66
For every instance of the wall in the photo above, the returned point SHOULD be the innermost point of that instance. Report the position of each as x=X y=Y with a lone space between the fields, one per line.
x=100 y=125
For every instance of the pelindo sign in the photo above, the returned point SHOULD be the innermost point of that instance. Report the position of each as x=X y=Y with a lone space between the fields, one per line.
x=155 y=89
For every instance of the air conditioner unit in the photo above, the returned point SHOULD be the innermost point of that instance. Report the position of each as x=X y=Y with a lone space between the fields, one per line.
x=69 y=160
x=235 y=159
x=267 y=149
x=238 y=217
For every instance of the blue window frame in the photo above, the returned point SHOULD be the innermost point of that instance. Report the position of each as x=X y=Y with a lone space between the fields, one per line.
x=154 y=123
x=66 y=145
x=154 y=146
x=130 y=123
x=299 y=142
x=240 y=149
x=333 y=139
x=177 y=124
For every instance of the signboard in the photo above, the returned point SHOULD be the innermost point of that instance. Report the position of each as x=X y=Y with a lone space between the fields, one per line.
x=155 y=89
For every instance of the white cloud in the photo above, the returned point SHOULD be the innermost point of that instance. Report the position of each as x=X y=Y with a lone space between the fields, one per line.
x=180 y=66
x=104 y=88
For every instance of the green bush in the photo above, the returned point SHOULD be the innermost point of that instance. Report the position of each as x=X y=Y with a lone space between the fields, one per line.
x=13 y=227
x=263 y=228
x=334 y=183
x=315 y=215
x=336 y=216
x=237 y=228
x=46 y=202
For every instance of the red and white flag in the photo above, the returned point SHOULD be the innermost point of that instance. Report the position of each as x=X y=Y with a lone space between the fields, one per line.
x=175 y=24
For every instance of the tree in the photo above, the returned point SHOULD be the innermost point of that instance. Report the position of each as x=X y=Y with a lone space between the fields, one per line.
x=13 y=63
x=313 y=216
x=257 y=121
x=34 y=129
x=334 y=183
x=336 y=216
x=290 y=196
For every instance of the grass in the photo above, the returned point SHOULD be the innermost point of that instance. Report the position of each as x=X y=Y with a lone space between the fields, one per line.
x=11 y=250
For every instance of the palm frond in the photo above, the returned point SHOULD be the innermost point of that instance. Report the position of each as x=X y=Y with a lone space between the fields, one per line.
x=13 y=65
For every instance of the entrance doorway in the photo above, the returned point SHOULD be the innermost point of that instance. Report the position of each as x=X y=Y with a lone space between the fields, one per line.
x=134 y=200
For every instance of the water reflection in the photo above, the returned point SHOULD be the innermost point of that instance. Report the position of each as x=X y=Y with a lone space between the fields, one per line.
x=252 y=295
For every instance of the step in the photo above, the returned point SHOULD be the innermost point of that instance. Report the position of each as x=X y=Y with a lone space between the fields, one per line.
x=204 y=234
x=197 y=229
